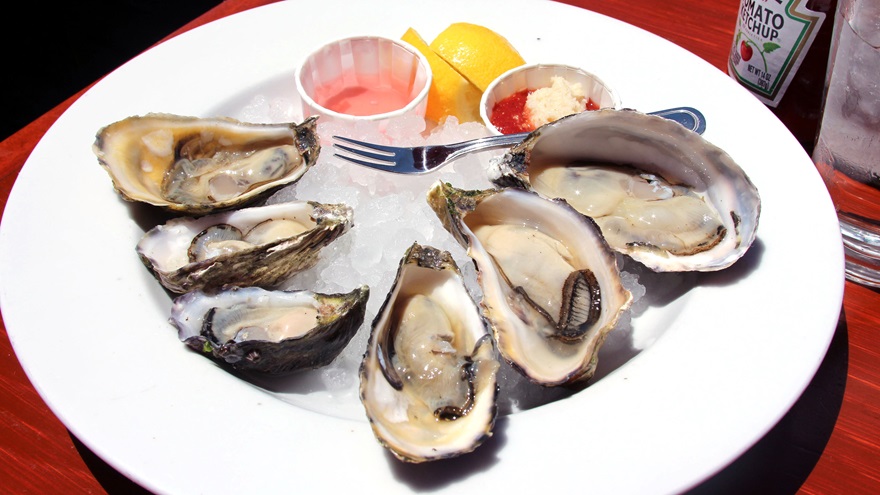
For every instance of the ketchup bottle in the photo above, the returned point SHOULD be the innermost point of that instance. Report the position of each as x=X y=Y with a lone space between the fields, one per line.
x=780 y=53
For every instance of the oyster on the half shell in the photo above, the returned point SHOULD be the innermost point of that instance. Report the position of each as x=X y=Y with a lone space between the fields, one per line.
x=427 y=379
x=660 y=193
x=273 y=332
x=261 y=245
x=202 y=165
x=551 y=286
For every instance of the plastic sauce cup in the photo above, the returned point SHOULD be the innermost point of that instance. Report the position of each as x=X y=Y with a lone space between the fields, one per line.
x=364 y=78
x=534 y=76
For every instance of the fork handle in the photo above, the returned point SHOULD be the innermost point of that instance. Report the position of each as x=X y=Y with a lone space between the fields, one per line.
x=485 y=143
x=689 y=117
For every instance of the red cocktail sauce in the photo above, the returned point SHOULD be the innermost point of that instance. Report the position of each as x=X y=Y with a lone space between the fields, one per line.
x=510 y=115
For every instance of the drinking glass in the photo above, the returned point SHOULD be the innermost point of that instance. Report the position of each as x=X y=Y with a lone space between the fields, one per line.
x=847 y=152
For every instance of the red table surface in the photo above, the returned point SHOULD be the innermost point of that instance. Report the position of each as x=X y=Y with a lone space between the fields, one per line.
x=829 y=442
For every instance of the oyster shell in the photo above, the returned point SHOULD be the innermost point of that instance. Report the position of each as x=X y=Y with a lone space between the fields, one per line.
x=661 y=194
x=427 y=379
x=273 y=332
x=551 y=285
x=260 y=245
x=201 y=165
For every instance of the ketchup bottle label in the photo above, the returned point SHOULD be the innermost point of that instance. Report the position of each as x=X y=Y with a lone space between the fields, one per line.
x=772 y=38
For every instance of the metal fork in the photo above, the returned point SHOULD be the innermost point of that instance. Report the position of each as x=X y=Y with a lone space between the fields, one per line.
x=422 y=159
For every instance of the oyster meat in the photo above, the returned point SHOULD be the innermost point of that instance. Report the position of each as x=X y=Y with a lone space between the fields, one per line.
x=428 y=377
x=273 y=332
x=551 y=286
x=261 y=245
x=201 y=165
x=660 y=193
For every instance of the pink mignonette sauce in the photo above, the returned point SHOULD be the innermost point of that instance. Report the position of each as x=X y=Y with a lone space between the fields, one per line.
x=362 y=99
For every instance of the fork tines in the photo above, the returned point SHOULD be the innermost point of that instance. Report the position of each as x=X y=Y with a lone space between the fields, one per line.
x=384 y=159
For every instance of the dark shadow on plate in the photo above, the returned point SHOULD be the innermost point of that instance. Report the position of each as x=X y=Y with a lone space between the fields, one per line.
x=436 y=475
x=617 y=350
x=662 y=289
x=300 y=382
x=147 y=216
x=782 y=460
x=517 y=393
x=750 y=262
x=109 y=478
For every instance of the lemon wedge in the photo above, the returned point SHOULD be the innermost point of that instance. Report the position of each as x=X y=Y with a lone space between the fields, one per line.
x=476 y=52
x=450 y=93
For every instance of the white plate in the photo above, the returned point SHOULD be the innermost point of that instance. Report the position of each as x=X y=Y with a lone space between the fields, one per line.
x=720 y=362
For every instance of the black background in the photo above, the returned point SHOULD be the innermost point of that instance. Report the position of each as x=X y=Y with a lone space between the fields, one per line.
x=53 y=50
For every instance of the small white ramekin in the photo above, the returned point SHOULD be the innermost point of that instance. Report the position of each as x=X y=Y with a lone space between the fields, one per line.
x=365 y=61
x=535 y=76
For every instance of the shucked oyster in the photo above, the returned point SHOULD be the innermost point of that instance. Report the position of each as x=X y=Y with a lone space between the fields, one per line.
x=551 y=286
x=261 y=245
x=272 y=332
x=661 y=193
x=427 y=380
x=200 y=165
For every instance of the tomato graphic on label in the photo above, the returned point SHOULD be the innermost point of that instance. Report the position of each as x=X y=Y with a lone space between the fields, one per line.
x=748 y=47
x=745 y=50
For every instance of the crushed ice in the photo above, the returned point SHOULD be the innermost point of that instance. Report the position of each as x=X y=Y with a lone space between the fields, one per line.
x=390 y=213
